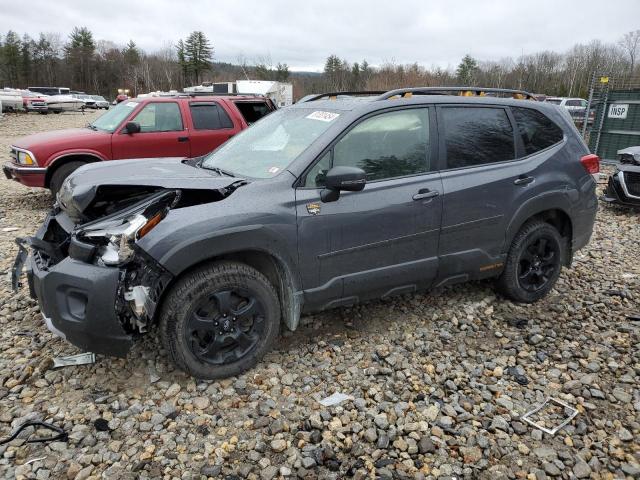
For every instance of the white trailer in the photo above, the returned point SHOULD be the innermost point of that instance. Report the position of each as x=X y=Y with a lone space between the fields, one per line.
x=280 y=93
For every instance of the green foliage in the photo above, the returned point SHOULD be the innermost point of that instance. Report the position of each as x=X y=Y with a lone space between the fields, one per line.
x=131 y=53
x=11 y=56
x=278 y=74
x=467 y=70
x=194 y=56
x=79 y=54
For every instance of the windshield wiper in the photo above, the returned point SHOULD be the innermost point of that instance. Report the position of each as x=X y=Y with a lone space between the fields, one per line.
x=219 y=171
x=92 y=126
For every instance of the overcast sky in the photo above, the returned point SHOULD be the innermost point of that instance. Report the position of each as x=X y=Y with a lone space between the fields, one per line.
x=303 y=33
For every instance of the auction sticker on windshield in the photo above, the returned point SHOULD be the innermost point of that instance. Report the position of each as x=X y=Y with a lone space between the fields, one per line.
x=323 y=116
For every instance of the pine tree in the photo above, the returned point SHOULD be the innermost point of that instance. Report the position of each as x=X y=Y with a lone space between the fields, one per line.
x=131 y=53
x=182 y=61
x=79 y=52
x=467 y=70
x=11 y=57
x=198 y=54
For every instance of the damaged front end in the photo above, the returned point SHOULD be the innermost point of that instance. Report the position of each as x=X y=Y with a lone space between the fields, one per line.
x=95 y=286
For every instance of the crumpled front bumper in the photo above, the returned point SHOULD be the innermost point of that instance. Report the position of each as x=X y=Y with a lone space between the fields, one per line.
x=77 y=299
x=617 y=191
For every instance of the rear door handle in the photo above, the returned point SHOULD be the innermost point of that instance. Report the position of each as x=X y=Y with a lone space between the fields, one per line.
x=183 y=139
x=522 y=180
x=425 y=193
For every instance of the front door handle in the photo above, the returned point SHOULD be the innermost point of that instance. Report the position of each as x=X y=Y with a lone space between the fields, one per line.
x=523 y=180
x=425 y=193
x=183 y=139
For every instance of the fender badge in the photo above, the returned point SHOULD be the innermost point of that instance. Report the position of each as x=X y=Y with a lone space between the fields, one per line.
x=313 y=208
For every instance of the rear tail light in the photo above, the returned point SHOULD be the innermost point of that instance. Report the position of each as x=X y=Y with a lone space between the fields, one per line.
x=591 y=163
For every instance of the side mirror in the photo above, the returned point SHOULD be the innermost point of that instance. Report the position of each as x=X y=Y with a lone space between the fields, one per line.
x=348 y=179
x=132 y=127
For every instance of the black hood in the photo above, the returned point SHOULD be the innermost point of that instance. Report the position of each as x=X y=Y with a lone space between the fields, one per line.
x=116 y=184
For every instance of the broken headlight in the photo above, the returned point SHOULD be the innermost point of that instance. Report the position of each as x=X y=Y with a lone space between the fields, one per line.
x=116 y=237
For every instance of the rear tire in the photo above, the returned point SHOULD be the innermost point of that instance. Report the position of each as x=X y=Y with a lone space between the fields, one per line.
x=220 y=320
x=533 y=264
x=61 y=174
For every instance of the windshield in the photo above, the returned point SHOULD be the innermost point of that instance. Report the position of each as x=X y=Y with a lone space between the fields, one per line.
x=98 y=97
x=271 y=144
x=114 y=117
x=555 y=101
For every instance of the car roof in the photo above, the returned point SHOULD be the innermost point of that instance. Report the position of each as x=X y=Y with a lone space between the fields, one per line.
x=198 y=98
x=365 y=104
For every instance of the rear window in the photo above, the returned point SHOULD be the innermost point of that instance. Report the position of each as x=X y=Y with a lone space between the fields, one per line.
x=574 y=103
x=209 y=116
x=536 y=130
x=477 y=136
x=555 y=101
x=253 y=111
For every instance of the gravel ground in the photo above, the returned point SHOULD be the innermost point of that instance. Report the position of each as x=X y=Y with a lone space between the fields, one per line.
x=439 y=381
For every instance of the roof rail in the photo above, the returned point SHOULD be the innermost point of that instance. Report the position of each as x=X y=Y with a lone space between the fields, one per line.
x=218 y=94
x=335 y=95
x=462 y=91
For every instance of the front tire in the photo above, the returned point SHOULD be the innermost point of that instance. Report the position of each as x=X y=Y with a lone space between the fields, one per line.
x=533 y=264
x=220 y=320
x=61 y=174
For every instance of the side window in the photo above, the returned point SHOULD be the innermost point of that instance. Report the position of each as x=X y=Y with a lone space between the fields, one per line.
x=209 y=116
x=160 y=117
x=536 y=130
x=253 y=111
x=388 y=145
x=315 y=176
x=477 y=136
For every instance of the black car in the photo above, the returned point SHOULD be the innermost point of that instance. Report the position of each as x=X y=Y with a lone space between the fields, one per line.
x=323 y=204
x=623 y=187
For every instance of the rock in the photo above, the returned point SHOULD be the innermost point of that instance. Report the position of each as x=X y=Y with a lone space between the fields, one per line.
x=625 y=435
x=201 y=403
x=545 y=453
x=269 y=473
x=551 y=469
x=581 y=469
x=278 y=445
x=425 y=445
x=370 y=435
x=172 y=391
x=471 y=454
x=381 y=421
x=211 y=470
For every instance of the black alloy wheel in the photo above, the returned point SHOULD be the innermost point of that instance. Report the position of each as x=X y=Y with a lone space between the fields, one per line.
x=225 y=325
x=533 y=263
x=538 y=263
x=220 y=319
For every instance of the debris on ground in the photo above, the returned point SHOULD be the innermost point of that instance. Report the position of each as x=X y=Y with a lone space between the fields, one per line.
x=73 y=360
x=546 y=424
x=60 y=437
x=334 y=399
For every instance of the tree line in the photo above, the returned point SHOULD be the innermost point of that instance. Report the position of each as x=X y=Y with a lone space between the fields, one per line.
x=100 y=66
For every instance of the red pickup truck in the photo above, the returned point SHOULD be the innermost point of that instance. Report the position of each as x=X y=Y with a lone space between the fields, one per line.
x=179 y=126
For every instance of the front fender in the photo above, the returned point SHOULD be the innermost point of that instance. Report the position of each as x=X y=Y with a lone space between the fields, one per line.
x=185 y=252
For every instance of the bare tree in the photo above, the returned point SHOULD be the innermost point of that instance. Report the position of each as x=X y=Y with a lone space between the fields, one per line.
x=630 y=43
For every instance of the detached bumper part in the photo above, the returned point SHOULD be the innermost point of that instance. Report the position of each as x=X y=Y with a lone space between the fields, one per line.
x=79 y=300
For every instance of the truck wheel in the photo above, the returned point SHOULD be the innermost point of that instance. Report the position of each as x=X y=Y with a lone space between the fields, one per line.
x=60 y=175
x=533 y=264
x=220 y=320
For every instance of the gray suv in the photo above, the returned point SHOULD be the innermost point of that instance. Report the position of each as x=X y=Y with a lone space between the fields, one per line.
x=323 y=204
